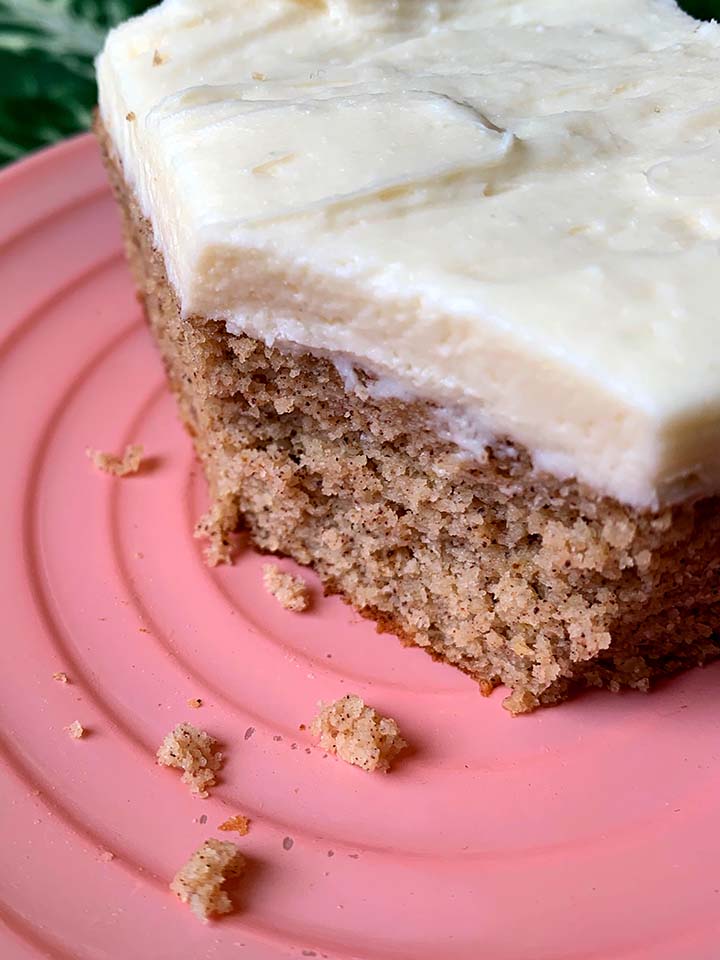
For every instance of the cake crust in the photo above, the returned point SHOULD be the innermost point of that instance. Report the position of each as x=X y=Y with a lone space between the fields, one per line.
x=508 y=573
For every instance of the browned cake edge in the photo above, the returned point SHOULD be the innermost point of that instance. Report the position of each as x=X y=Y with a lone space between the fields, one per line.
x=512 y=575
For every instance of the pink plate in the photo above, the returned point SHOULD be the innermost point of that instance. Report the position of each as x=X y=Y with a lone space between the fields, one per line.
x=587 y=831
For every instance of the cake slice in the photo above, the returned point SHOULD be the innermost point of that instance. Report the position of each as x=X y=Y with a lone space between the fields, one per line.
x=436 y=288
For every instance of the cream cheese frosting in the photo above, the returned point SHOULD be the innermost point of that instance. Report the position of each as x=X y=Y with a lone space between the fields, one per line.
x=510 y=208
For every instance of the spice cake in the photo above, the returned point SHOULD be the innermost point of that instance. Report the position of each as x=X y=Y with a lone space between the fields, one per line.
x=436 y=287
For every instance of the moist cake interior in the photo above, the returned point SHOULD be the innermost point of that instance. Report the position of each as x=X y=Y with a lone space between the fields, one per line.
x=510 y=574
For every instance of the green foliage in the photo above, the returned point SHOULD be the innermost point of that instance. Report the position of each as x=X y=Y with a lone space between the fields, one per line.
x=47 y=86
x=47 y=83
x=702 y=9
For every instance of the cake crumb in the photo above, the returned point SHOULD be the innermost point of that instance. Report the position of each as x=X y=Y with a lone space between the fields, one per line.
x=238 y=824
x=216 y=526
x=76 y=730
x=290 y=591
x=117 y=466
x=105 y=856
x=357 y=733
x=130 y=116
x=61 y=677
x=200 y=882
x=195 y=703
x=158 y=58
x=192 y=751
x=256 y=75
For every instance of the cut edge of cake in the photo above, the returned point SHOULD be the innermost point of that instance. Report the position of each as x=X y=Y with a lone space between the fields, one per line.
x=512 y=575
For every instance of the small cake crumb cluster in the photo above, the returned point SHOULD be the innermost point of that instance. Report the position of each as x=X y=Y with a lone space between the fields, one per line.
x=200 y=882
x=290 y=591
x=118 y=466
x=237 y=824
x=215 y=527
x=192 y=751
x=195 y=703
x=76 y=730
x=357 y=733
x=61 y=677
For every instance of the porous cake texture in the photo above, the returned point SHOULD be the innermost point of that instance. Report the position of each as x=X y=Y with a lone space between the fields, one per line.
x=507 y=572
x=291 y=592
x=200 y=882
x=357 y=733
x=195 y=753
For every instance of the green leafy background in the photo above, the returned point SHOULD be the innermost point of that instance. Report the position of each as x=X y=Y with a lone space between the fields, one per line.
x=47 y=87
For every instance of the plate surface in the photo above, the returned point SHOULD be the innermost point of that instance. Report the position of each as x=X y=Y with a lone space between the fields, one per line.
x=586 y=831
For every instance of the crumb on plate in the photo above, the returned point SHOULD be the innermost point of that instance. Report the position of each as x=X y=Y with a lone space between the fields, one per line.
x=290 y=591
x=216 y=526
x=192 y=751
x=200 y=882
x=76 y=730
x=237 y=824
x=195 y=703
x=357 y=733
x=118 y=466
x=61 y=677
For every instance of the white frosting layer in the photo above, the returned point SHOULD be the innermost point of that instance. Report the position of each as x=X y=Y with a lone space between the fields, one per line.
x=512 y=206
